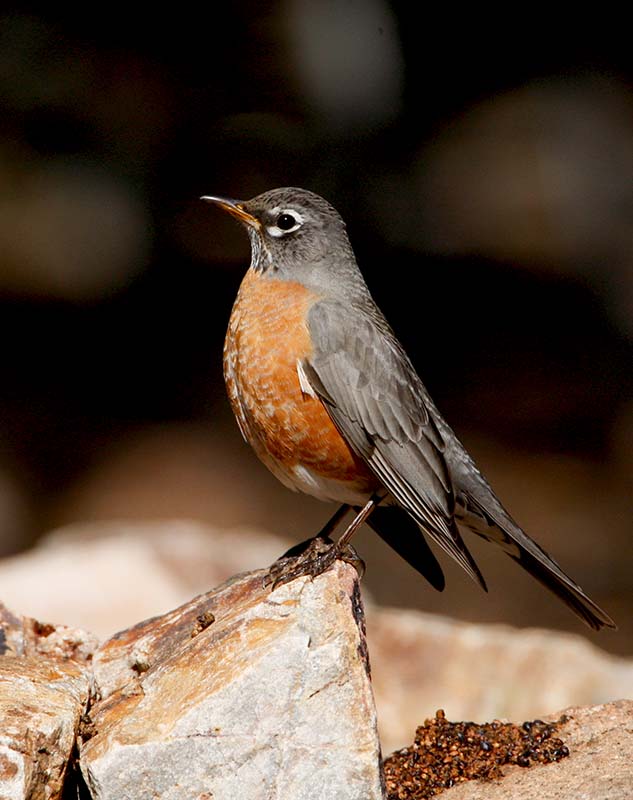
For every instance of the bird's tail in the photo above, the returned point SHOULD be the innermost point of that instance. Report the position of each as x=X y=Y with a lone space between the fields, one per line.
x=492 y=522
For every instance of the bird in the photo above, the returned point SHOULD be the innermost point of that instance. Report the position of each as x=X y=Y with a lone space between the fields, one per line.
x=331 y=403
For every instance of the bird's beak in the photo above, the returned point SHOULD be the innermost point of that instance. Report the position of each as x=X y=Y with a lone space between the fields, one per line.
x=235 y=208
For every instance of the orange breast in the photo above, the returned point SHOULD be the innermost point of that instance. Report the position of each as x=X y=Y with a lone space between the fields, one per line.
x=266 y=337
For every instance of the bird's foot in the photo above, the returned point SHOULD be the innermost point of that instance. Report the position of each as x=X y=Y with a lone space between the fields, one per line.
x=311 y=558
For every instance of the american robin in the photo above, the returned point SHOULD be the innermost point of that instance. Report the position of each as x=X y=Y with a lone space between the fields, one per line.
x=329 y=400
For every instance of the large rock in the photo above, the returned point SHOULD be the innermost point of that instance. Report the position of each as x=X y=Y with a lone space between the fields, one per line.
x=240 y=693
x=123 y=572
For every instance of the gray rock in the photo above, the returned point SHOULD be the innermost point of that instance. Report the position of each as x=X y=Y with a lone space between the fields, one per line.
x=271 y=697
x=241 y=693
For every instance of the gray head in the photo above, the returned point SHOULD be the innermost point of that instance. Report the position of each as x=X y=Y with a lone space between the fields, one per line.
x=297 y=235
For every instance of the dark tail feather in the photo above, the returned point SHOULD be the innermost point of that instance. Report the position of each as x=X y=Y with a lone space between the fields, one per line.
x=570 y=593
x=400 y=532
x=492 y=522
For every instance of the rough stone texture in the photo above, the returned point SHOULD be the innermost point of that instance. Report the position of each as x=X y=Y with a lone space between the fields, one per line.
x=269 y=698
x=44 y=687
x=125 y=571
x=25 y=636
x=600 y=765
x=421 y=662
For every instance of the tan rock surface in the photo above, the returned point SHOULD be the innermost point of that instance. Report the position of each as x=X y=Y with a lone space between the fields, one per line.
x=240 y=693
x=600 y=765
x=122 y=572
x=422 y=662
x=25 y=636
x=44 y=687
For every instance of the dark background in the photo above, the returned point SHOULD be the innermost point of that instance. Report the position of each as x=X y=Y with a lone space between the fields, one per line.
x=485 y=170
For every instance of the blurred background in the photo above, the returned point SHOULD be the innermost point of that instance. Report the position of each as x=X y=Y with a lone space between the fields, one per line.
x=486 y=176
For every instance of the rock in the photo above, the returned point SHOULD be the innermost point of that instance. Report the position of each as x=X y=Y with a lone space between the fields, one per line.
x=600 y=765
x=160 y=685
x=125 y=571
x=44 y=688
x=240 y=693
x=25 y=636
x=421 y=662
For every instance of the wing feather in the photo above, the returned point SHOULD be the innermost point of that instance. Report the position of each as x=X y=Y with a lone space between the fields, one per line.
x=375 y=398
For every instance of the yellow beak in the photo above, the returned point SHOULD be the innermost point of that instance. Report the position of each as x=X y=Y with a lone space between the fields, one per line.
x=234 y=207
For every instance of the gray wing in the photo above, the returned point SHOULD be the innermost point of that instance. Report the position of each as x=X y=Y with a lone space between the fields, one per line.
x=376 y=400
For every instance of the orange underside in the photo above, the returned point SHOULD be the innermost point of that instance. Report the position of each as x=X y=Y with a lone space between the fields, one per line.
x=266 y=337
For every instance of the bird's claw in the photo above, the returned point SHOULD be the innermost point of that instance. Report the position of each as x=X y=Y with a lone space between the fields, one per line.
x=311 y=558
x=349 y=555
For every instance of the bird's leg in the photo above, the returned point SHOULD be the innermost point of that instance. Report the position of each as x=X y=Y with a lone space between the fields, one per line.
x=358 y=520
x=343 y=549
x=334 y=520
x=323 y=535
x=320 y=553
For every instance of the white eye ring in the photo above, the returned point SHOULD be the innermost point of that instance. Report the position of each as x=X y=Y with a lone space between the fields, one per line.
x=276 y=230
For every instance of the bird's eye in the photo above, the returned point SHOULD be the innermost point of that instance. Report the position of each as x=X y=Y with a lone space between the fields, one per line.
x=285 y=222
